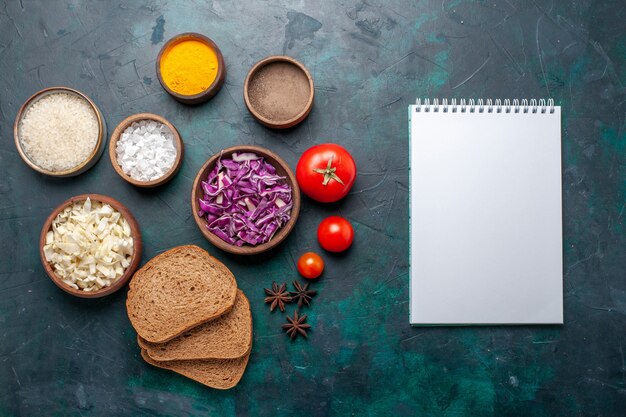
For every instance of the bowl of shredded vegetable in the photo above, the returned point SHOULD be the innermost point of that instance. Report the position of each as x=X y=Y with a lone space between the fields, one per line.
x=90 y=245
x=245 y=200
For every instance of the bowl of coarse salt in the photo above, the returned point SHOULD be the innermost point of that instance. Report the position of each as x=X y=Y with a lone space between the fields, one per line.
x=146 y=150
x=59 y=132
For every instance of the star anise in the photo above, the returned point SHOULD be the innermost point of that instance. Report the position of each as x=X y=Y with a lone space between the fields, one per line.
x=296 y=325
x=302 y=294
x=277 y=296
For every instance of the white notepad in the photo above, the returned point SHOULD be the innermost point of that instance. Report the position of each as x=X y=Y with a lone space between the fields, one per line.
x=485 y=213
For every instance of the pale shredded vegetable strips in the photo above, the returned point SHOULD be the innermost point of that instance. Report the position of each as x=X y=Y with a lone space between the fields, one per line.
x=89 y=246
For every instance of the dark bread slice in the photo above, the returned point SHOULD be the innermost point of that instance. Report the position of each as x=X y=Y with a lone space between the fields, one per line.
x=178 y=290
x=227 y=337
x=214 y=373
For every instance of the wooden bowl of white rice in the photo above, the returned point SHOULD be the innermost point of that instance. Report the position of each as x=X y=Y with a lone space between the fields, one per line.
x=59 y=132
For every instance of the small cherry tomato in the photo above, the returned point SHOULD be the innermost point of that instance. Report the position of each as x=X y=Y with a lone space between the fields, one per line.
x=310 y=265
x=335 y=234
x=326 y=172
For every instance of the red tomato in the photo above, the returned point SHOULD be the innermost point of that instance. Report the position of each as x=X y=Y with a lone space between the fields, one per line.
x=310 y=265
x=335 y=234
x=326 y=172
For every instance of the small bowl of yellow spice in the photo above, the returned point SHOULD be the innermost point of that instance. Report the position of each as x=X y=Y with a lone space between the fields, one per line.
x=191 y=68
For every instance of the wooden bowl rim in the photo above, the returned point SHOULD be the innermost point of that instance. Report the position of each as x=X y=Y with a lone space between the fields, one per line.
x=215 y=86
x=35 y=97
x=278 y=123
x=280 y=235
x=178 y=141
x=134 y=261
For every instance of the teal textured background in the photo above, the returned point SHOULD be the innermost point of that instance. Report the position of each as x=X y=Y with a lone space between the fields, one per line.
x=60 y=356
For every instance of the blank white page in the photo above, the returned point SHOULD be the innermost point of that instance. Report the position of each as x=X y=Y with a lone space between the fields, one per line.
x=485 y=218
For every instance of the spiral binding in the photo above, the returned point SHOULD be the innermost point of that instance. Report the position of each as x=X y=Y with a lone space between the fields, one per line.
x=540 y=106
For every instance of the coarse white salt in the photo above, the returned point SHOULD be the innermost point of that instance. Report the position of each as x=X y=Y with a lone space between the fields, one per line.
x=59 y=131
x=146 y=151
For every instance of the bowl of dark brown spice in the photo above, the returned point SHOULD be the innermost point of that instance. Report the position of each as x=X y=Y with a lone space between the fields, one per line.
x=279 y=92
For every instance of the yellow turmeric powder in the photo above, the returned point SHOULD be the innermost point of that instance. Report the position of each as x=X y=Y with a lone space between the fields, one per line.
x=189 y=67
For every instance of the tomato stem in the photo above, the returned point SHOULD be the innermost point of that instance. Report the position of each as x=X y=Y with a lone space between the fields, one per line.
x=329 y=173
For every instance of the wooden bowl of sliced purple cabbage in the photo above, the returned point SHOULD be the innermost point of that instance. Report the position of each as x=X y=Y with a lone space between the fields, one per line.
x=245 y=200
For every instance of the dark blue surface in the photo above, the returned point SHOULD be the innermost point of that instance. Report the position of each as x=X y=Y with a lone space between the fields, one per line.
x=369 y=60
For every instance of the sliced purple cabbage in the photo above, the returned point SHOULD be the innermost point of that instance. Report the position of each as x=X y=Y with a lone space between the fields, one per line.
x=245 y=202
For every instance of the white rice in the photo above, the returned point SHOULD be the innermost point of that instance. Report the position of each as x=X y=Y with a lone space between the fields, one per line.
x=59 y=131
